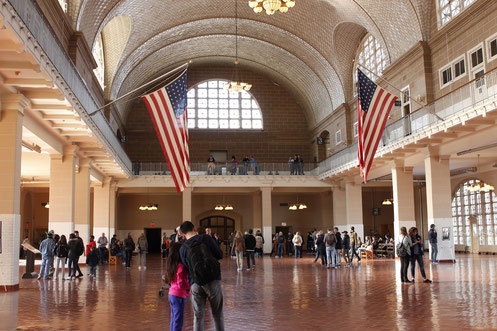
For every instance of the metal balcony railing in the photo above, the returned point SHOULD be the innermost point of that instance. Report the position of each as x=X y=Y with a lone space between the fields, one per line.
x=229 y=169
x=479 y=91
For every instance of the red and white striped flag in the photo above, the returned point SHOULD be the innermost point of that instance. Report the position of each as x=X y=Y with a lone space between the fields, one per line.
x=373 y=107
x=167 y=108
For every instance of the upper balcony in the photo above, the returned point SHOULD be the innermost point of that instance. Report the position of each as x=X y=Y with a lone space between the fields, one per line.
x=464 y=106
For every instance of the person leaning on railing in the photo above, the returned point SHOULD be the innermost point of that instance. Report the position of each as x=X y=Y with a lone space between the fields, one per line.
x=211 y=165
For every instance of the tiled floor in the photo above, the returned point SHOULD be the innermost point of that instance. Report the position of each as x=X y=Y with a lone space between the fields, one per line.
x=280 y=294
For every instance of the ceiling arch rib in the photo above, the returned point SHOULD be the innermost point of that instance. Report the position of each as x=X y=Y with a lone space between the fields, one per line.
x=273 y=58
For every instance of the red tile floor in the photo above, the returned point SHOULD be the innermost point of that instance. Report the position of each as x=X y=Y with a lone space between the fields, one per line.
x=282 y=294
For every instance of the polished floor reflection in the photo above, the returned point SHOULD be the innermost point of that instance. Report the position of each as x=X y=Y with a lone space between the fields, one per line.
x=282 y=294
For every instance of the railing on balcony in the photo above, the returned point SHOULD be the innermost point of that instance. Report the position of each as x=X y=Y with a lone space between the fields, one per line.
x=472 y=94
x=228 y=169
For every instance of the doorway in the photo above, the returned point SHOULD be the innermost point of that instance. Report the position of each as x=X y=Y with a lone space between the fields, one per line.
x=154 y=239
x=222 y=225
x=284 y=229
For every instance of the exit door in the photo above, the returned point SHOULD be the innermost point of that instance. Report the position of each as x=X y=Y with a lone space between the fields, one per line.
x=153 y=236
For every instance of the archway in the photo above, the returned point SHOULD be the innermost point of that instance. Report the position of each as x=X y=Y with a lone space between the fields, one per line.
x=323 y=142
x=220 y=224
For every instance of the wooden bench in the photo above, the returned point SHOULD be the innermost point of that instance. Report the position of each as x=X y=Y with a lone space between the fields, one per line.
x=367 y=254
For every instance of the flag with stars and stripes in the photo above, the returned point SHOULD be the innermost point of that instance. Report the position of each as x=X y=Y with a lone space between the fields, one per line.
x=373 y=108
x=167 y=108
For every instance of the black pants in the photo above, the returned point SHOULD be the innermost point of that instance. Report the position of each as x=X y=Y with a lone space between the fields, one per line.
x=404 y=266
x=321 y=253
x=128 y=258
x=76 y=267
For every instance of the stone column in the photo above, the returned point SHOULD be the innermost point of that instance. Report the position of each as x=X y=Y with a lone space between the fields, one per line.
x=62 y=190
x=439 y=202
x=82 y=200
x=112 y=216
x=403 y=199
x=101 y=208
x=257 y=210
x=339 y=208
x=353 y=205
x=267 y=218
x=187 y=204
x=12 y=113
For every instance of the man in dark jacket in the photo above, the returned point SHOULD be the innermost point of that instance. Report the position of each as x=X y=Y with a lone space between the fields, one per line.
x=129 y=247
x=250 y=243
x=346 y=248
x=432 y=238
x=281 y=245
x=321 y=248
x=338 y=248
x=194 y=246
x=80 y=251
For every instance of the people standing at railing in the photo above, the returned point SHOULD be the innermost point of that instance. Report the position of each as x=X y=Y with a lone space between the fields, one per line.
x=246 y=162
x=211 y=165
x=291 y=165
x=301 y=165
x=255 y=166
x=234 y=165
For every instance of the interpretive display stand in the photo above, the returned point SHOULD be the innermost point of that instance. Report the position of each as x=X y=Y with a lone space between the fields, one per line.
x=30 y=261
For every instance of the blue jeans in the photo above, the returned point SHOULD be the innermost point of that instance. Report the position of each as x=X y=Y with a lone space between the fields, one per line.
x=419 y=258
x=46 y=262
x=250 y=255
x=102 y=252
x=331 y=256
x=177 y=312
x=434 y=252
x=280 y=249
x=93 y=271
x=338 y=258
x=298 y=251
x=353 y=252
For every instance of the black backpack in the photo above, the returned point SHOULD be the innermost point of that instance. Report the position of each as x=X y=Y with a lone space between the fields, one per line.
x=203 y=266
x=62 y=250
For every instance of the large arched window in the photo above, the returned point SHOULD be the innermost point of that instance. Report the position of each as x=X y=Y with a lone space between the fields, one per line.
x=448 y=9
x=63 y=5
x=372 y=56
x=98 y=55
x=211 y=106
x=478 y=204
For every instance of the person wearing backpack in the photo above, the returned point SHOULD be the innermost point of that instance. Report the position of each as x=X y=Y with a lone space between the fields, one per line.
x=330 y=241
x=250 y=243
x=404 y=252
x=281 y=245
x=338 y=248
x=61 y=251
x=200 y=255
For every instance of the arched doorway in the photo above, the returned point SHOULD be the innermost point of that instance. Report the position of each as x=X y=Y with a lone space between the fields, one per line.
x=222 y=225
x=323 y=142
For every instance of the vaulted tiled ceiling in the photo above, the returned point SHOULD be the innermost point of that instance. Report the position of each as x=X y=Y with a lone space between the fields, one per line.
x=310 y=48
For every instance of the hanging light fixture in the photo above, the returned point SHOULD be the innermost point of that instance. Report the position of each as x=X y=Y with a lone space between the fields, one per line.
x=236 y=85
x=224 y=206
x=271 y=6
x=297 y=205
x=387 y=202
x=149 y=207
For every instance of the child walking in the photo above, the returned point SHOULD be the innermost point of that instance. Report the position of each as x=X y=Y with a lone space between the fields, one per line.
x=177 y=277
x=92 y=261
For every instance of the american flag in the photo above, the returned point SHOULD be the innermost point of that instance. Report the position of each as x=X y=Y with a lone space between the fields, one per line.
x=373 y=107
x=167 y=108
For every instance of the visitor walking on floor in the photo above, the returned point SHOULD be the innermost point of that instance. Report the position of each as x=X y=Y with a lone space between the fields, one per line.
x=177 y=277
x=47 y=252
x=432 y=238
x=239 y=247
x=129 y=247
x=80 y=251
x=200 y=255
x=330 y=241
x=61 y=252
x=142 y=251
x=259 y=243
x=404 y=252
x=338 y=248
x=90 y=245
x=102 y=248
x=417 y=250
x=346 y=248
x=321 y=248
x=353 y=245
x=297 y=243
x=92 y=261
x=75 y=251
x=281 y=245
x=250 y=243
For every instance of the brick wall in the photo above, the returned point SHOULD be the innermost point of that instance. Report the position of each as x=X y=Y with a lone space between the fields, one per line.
x=285 y=127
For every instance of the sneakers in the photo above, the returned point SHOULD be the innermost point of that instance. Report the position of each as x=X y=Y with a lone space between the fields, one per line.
x=253 y=267
x=427 y=281
x=39 y=277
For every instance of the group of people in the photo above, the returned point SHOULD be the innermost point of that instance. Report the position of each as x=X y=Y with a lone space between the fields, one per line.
x=247 y=163
x=296 y=165
x=248 y=245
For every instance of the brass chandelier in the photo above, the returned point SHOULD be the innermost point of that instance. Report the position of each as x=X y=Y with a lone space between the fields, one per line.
x=236 y=85
x=271 y=6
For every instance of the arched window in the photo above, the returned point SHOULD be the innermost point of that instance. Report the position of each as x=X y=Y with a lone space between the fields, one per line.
x=478 y=204
x=211 y=106
x=448 y=9
x=98 y=55
x=372 y=56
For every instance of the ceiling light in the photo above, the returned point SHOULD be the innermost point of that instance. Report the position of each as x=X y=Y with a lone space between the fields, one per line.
x=149 y=207
x=271 y=6
x=387 y=202
x=228 y=207
x=46 y=205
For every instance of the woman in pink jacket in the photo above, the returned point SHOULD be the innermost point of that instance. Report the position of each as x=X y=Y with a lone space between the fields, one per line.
x=177 y=277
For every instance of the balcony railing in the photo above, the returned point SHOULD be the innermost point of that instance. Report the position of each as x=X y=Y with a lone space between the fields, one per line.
x=228 y=169
x=473 y=94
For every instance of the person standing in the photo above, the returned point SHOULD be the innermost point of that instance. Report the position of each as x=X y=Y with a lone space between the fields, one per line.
x=165 y=246
x=129 y=247
x=404 y=252
x=234 y=165
x=200 y=255
x=142 y=251
x=211 y=165
x=80 y=251
x=346 y=248
x=353 y=245
x=417 y=251
x=73 y=255
x=297 y=243
x=281 y=245
x=90 y=245
x=310 y=242
x=321 y=248
x=179 y=290
x=47 y=252
x=432 y=238
x=102 y=248
x=61 y=252
x=338 y=248
x=239 y=247
x=330 y=241
x=92 y=261
x=250 y=243
x=291 y=165
x=113 y=240
x=246 y=162
x=259 y=243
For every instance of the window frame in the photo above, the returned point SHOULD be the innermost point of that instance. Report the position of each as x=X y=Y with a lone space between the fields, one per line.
x=461 y=6
x=355 y=128
x=405 y=103
x=338 y=134
x=440 y=76
x=490 y=57
x=373 y=55
x=470 y=63
x=208 y=119
x=456 y=61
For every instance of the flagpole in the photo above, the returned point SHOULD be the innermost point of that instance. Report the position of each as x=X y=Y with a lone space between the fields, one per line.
x=142 y=86
x=402 y=92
